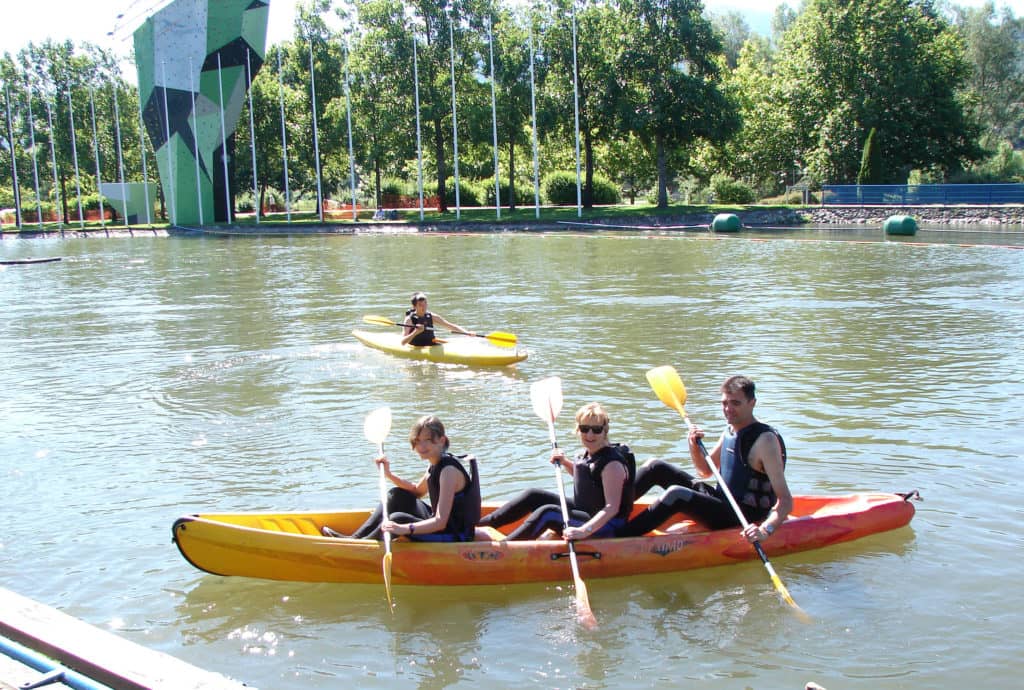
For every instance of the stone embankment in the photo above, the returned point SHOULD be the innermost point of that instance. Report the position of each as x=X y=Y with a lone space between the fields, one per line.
x=945 y=215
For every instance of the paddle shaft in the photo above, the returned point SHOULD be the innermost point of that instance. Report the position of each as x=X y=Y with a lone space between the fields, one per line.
x=496 y=336
x=386 y=563
x=584 y=612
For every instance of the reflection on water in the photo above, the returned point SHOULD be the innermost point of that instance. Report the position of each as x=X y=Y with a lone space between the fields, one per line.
x=148 y=378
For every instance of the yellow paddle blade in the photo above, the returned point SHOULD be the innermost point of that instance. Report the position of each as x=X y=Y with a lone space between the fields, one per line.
x=669 y=387
x=380 y=320
x=503 y=339
x=387 y=579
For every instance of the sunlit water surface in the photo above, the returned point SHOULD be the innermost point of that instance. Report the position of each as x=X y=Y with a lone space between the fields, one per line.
x=146 y=378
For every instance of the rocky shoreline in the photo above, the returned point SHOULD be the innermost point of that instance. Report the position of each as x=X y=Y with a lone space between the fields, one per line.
x=1009 y=215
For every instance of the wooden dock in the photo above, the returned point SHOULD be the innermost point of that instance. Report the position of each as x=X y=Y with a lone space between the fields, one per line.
x=101 y=657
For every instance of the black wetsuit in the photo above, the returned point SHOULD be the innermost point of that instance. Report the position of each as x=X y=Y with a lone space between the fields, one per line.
x=686 y=495
x=544 y=507
x=404 y=507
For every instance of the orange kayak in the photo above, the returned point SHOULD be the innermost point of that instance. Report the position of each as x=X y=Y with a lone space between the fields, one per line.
x=289 y=546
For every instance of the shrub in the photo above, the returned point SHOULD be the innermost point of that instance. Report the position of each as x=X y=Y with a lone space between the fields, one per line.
x=469 y=193
x=560 y=188
x=730 y=191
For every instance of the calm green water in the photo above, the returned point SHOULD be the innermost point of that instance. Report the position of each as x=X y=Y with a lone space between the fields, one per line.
x=147 y=378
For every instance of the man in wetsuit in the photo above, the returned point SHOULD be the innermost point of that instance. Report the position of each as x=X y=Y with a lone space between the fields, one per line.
x=751 y=457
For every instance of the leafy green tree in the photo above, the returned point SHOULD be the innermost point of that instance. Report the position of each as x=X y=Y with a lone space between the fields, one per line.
x=669 y=86
x=994 y=48
x=893 y=65
x=871 y=163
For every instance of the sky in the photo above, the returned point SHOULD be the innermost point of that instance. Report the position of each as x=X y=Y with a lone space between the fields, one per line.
x=37 y=20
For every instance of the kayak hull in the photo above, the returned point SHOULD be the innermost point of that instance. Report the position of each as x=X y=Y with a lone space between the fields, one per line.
x=289 y=546
x=460 y=350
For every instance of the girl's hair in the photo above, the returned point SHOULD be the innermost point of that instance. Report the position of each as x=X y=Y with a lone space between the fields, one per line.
x=592 y=410
x=431 y=424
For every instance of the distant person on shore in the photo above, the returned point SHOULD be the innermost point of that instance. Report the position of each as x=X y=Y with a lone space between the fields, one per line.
x=751 y=457
x=419 y=323
x=602 y=488
x=453 y=492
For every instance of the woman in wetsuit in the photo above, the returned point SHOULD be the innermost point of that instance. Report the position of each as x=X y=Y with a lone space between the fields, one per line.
x=603 y=475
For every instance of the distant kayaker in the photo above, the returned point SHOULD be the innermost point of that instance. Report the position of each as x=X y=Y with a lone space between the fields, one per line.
x=419 y=323
x=751 y=457
x=603 y=475
x=454 y=494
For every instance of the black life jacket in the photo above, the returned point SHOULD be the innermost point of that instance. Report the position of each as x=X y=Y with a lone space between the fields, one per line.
x=750 y=487
x=465 y=511
x=427 y=336
x=588 y=489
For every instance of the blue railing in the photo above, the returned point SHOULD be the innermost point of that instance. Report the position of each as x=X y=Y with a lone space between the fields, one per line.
x=921 y=194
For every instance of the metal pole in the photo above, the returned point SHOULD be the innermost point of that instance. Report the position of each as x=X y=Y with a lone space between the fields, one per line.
x=96 y=153
x=576 y=113
x=195 y=120
x=284 y=142
x=14 y=160
x=224 y=142
x=316 y=137
x=455 y=119
x=120 y=159
x=53 y=162
x=74 y=157
x=419 y=145
x=351 y=156
x=35 y=161
x=533 y=121
x=494 y=119
x=252 y=139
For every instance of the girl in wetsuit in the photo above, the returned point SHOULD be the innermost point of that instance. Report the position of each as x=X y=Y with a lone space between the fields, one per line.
x=419 y=323
x=454 y=494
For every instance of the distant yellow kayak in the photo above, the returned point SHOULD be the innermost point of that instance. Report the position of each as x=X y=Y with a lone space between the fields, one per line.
x=455 y=350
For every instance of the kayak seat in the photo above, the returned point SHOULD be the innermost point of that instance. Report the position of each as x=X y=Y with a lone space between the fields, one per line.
x=290 y=525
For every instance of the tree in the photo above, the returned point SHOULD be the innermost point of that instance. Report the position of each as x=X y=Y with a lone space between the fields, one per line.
x=668 y=88
x=871 y=163
x=893 y=65
x=994 y=49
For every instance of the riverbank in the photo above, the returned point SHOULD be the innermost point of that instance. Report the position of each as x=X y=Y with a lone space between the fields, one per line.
x=1009 y=215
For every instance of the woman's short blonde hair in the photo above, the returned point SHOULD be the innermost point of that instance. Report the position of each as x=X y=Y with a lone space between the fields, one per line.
x=592 y=410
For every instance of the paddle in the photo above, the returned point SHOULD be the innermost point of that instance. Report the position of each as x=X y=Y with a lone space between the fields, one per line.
x=546 y=396
x=376 y=428
x=497 y=337
x=670 y=389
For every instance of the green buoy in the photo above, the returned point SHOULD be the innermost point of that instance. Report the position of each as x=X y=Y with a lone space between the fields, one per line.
x=900 y=225
x=726 y=222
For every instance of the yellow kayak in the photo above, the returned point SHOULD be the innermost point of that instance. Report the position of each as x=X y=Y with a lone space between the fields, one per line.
x=289 y=546
x=456 y=350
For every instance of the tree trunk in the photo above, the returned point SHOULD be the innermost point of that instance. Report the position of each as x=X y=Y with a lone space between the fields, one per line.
x=377 y=181
x=662 y=157
x=512 y=174
x=588 y=158
x=442 y=201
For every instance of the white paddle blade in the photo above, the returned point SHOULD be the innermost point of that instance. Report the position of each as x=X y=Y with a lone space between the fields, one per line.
x=546 y=396
x=377 y=425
